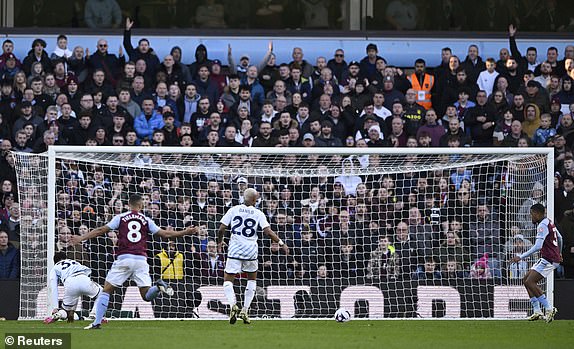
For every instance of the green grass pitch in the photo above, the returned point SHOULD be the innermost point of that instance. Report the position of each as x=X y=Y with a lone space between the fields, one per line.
x=277 y=334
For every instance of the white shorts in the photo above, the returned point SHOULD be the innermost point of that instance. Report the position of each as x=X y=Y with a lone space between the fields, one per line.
x=77 y=286
x=127 y=267
x=544 y=267
x=236 y=266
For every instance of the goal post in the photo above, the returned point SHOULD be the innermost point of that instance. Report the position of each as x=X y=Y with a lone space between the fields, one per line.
x=382 y=232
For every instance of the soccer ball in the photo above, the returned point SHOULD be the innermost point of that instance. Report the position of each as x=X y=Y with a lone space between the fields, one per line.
x=342 y=315
x=63 y=315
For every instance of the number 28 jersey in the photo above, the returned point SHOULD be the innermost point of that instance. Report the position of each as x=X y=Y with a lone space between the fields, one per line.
x=133 y=229
x=244 y=222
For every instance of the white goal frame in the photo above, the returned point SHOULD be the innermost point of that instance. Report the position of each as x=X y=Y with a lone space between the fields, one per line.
x=53 y=152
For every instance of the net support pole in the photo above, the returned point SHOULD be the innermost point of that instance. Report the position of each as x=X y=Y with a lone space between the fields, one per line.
x=550 y=214
x=51 y=239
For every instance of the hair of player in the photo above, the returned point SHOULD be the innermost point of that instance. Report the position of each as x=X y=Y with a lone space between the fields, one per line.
x=538 y=208
x=135 y=200
x=59 y=256
x=250 y=196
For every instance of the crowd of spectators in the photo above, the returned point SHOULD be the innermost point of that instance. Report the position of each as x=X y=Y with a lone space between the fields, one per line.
x=443 y=224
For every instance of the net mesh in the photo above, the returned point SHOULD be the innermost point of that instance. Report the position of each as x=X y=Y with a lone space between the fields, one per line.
x=425 y=235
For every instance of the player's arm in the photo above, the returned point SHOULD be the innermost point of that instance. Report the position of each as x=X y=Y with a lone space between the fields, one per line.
x=76 y=239
x=53 y=288
x=535 y=248
x=169 y=234
x=267 y=231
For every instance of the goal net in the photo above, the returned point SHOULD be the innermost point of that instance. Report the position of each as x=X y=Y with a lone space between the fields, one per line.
x=384 y=233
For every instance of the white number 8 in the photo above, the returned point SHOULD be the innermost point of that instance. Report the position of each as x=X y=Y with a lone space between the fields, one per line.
x=134 y=234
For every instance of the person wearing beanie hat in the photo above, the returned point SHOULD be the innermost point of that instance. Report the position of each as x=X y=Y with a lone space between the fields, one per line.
x=375 y=135
x=369 y=62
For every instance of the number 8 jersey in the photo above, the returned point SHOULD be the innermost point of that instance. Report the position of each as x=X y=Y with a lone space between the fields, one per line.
x=133 y=229
x=244 y=222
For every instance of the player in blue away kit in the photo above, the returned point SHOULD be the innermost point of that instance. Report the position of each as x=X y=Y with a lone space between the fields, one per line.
x=549 y=243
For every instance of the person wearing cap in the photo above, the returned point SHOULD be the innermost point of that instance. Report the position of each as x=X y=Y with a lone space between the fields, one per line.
x=368 y=63
x=308 y=140
x=37 y=54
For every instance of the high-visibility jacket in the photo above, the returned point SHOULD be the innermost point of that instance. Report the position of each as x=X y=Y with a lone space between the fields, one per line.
x=171 y=269
x=423 y=91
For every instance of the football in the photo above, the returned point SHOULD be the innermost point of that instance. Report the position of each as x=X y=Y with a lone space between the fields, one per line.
x=342 y=315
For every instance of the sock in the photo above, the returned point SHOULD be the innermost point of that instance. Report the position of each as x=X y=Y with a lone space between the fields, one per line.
x=151 y=293
x=535 y=304
x=101 y=307
x=249 y=293
x=544 y=302
x=229 y=292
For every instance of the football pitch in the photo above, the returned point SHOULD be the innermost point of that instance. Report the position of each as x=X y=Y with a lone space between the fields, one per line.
x=310 y=334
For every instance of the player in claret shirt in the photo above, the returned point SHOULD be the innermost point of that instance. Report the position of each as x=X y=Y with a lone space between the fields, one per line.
x=133 y=229
x=549 y=243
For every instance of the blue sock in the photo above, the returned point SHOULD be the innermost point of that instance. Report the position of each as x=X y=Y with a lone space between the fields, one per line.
x=535 y=304
x=101 y=307
x=151 y=293
x=544 y=302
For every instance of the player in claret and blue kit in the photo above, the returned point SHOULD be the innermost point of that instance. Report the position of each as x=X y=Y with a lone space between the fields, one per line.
x=549 y=243
x=133 y=228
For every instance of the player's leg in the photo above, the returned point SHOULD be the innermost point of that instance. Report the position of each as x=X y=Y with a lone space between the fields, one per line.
x=120 y=271
x=143 y=281
x=93 y=290
x=251 y=268
x=542 y=269
x=102 y=302
x=536 y=311
x=232 y=267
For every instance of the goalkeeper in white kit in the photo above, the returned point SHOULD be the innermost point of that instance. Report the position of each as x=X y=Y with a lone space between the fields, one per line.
x=77 y=283
x=245 y=220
